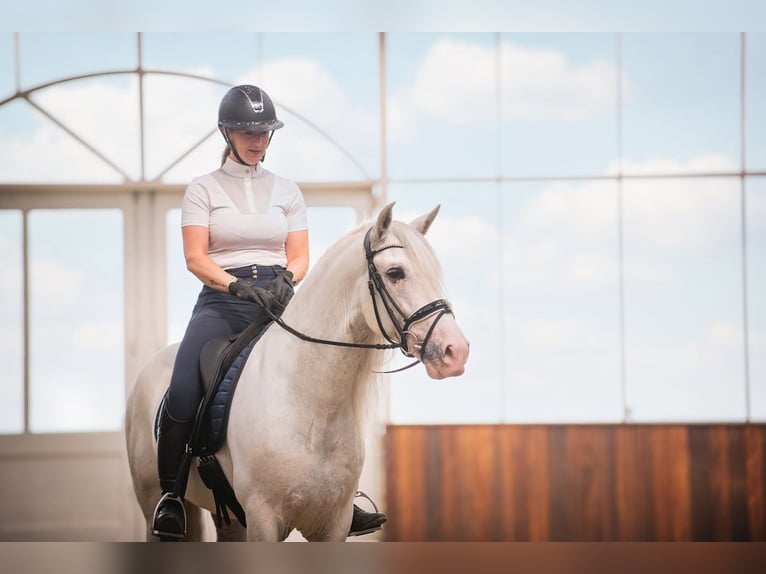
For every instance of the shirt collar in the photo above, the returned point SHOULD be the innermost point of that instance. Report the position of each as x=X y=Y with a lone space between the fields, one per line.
x=237 y=169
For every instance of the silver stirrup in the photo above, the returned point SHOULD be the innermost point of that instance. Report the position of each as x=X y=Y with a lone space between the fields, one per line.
x=168 y=497
x=361 y=494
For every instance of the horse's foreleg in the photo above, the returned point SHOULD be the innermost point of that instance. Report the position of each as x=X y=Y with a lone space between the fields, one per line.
x=335 y=531
x=262 y=525
x=194 y=525
x=233 y=532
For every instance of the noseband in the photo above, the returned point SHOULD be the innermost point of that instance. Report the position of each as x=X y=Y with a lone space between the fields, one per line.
x=440 y=307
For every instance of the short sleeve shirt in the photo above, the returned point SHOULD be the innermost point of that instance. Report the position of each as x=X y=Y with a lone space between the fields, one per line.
x=248 y=211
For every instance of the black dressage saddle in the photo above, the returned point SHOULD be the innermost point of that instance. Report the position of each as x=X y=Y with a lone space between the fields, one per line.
x=221 y=362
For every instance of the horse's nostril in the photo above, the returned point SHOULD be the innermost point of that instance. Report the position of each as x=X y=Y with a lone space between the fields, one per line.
x=448 y=354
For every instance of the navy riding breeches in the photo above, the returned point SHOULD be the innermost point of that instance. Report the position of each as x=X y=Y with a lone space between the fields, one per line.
x=215 y=314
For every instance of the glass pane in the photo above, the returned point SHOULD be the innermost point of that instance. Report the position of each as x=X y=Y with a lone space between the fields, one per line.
x=680 y=116
x=108 y=122
x=562 y=358
x=7 y=66
x=77 y=322
x=755 y=101
x=25 y=134
x=326 y=226
x=331 y=117
x=442 y=105
x=332 y=127
x=178 y=113
x=203 y=159
x=47 y=56
x=11 y=323
x=465 y=237
x=684 y=333
x=559 y=101
x=231 y=57
x=756 y=294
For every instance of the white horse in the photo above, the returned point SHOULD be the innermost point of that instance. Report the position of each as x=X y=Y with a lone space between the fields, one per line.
x=294 y=448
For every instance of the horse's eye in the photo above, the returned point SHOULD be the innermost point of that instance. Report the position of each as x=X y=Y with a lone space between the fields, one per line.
x=395 y=274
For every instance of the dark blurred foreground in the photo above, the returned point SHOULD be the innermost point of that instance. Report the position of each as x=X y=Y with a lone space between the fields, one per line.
x=371 y=558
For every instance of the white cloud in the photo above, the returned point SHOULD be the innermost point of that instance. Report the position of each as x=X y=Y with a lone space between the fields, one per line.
x=590 y=269
x=305 y=87
x=98 y=336
x=109 y=121
x=456 y=84
x=726 y=335
x=551 y=334
x=178 y=113
x=567 y=233
x=574 y=212
x=680 y=215
x=644 y=274
x=56 y=289
x=64 y=159
x=450 y=233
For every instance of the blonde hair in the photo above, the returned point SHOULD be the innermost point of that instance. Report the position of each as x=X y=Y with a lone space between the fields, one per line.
x=225 y=154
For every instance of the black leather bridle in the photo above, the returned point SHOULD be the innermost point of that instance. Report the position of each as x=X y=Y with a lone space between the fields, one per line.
x=402 y=322
x=440 y=307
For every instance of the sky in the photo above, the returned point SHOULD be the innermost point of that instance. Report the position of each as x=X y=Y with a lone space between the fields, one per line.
x=550 y=278
x=391 y=15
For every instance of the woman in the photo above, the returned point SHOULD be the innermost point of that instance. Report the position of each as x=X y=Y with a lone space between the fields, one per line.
x=245 y=236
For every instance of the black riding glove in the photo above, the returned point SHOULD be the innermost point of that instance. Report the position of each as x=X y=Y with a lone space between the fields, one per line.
x=282 y=289
x=246 y=290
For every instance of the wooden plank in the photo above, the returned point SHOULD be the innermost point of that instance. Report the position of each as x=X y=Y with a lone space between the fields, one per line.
x=705 y=478
x=670 y=475
x=754 y=439
x=634 y=489
x=477 y=484
x=576 y=482
x=738 y=523
x=525 y=471
x=405 y=484
x=582 y=507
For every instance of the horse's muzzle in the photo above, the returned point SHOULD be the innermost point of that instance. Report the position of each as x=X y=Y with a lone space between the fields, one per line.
x=446 y=354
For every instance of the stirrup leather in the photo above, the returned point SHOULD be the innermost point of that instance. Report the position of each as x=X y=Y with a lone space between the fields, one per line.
x=170 y=500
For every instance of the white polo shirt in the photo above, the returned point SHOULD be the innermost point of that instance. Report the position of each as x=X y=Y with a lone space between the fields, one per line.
x=248 y=210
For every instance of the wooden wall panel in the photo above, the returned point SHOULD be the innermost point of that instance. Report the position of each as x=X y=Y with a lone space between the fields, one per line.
x=576 y=482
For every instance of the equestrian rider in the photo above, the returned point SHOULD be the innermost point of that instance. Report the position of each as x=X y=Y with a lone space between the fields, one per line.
x=245 y=236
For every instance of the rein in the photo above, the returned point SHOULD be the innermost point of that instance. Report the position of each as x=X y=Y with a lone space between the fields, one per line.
x=375 y=283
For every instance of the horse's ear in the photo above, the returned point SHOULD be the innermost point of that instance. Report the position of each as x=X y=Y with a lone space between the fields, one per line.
x=385 y=217
x=423 y=223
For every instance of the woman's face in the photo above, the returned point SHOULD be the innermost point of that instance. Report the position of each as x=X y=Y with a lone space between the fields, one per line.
x=250 y=145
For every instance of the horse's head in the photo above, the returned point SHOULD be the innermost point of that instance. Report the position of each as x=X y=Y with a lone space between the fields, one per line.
x=408 y=304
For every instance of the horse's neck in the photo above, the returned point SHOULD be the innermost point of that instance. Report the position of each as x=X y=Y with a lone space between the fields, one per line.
x=325 y=308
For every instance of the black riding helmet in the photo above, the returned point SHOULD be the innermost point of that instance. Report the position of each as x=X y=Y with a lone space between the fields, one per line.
x=246 y=108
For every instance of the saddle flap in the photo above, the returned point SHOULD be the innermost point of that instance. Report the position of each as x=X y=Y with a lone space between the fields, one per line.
x=211 y=360
x=221 y=362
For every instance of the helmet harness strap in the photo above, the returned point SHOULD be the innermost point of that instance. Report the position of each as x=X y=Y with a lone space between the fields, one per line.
x=233 y=148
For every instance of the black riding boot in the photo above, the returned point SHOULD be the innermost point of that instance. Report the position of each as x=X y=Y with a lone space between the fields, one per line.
x=170 y=515
x=364 y=522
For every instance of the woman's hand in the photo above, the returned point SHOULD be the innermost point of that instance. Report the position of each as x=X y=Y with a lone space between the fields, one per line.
x=282 y=289
x=246 y=290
